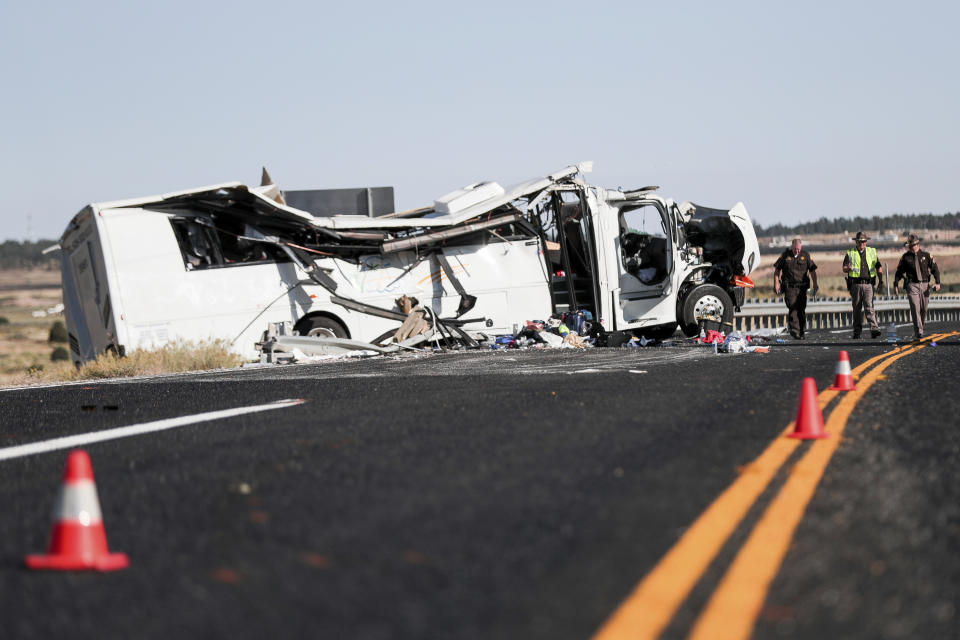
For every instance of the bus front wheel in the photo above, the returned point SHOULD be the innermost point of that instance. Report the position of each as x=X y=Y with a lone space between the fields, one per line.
x=322 y=327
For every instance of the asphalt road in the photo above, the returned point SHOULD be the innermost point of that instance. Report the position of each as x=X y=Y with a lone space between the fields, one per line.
x=500 y=494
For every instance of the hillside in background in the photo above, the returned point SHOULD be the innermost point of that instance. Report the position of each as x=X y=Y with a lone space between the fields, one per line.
x=28 y=255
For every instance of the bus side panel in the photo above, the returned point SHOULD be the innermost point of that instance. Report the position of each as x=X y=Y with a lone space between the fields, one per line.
x=163 y=301
x=508 y=280
x=81 y=347
x=87 y=298
x=157 y=299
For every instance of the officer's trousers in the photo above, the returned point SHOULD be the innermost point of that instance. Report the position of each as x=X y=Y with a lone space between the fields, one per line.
x=916 y=292
x=796 y=300
x=862 y=294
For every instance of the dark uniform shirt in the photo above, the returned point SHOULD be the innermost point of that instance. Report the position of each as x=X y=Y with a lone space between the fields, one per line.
x=794 y=270
x=907 y=269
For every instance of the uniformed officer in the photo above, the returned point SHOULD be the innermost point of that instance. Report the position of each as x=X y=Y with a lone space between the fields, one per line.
x=797 y=269
x=862 y=266
x=915 y=268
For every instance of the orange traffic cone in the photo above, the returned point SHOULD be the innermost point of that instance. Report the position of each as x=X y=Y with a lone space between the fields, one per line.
x=78 y=540
x=809 y=423
x=842 y=379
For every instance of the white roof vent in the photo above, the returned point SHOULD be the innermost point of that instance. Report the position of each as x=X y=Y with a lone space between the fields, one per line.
x=467 y=197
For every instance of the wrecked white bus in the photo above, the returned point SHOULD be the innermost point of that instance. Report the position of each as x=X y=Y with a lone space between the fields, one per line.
x=224 y=262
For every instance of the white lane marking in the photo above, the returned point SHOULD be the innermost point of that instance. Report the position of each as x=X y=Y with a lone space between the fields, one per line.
x=82 y=439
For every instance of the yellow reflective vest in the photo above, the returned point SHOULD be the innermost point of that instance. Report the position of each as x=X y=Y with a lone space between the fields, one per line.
x=855 y=265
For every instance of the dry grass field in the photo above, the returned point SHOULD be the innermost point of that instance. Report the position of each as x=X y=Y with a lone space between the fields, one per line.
x=831 y=278
x=25 y=353
x=23 y=338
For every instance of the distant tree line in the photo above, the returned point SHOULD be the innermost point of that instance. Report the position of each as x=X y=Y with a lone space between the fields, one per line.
x=897 y=222
x=28 y=255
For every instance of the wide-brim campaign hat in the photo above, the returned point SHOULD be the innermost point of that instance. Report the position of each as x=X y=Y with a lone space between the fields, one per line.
x=912 y=239
x=860 y=236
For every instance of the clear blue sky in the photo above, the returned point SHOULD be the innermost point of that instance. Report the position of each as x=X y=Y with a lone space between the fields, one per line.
x=799 y=110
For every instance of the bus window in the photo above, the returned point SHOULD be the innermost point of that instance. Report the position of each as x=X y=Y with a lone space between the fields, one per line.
x=198 y=244
x=206 y=244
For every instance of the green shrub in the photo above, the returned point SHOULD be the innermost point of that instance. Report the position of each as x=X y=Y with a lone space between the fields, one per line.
x=58 y=332
x=4 y=320
x=60 y=353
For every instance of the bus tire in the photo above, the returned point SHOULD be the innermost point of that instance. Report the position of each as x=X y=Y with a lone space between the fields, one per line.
x=321 y=326
x=705 y=299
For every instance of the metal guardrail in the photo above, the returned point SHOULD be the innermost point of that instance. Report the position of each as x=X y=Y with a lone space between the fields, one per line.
x=837 y=313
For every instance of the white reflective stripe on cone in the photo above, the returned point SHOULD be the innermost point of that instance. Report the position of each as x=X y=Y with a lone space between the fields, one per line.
x=77 y=502
x=843 y=367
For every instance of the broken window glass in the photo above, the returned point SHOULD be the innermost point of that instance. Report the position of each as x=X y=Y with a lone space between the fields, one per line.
x=209 y=243
x=643 y=243
x=198 y=243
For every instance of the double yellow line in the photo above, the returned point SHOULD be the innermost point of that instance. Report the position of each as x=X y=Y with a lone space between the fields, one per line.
x=732 y=610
